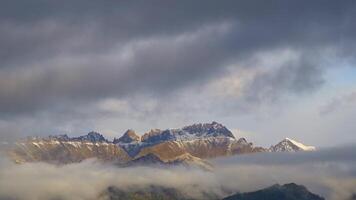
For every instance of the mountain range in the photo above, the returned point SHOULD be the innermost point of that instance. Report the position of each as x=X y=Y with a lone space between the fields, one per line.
x=188 y=146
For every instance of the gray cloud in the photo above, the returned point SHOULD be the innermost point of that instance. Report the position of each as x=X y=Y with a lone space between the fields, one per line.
x=294 y=77
x=337 y=103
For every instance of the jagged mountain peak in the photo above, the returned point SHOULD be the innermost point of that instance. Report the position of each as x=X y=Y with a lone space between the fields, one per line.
x=290 y=145
x=62 y=137
x=208 y=129
x=151 y=133
x=195 y=131
x=128 y=137
x=94 y=134
x=91 y=137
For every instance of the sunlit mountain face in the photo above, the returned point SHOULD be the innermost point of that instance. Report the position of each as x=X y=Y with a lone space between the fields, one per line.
x=177 y=100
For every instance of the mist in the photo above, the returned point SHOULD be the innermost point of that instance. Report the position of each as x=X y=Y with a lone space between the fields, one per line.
x=330 y=173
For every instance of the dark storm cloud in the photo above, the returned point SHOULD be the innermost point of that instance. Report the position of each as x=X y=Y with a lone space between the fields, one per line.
x=67 y=53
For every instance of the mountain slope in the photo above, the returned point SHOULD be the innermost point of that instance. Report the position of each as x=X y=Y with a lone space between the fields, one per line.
x=290 y=191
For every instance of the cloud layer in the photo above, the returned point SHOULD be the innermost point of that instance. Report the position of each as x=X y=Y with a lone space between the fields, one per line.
x=329 y=172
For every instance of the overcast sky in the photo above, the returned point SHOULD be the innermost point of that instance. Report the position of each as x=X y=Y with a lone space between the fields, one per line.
x=265 y=69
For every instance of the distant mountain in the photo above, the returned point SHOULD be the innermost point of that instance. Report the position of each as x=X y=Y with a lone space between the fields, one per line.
x=290 y=191
x=186 y=146
x=353 y=197
x=289 y=145
x=151 y=192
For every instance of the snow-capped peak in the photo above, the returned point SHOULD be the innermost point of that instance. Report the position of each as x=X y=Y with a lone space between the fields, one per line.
x=289 y=145
x=302 y=146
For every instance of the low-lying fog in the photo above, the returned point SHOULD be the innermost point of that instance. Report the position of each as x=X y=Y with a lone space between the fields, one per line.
x=330 y=173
